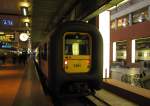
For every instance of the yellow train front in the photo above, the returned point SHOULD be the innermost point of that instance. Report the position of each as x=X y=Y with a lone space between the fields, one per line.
x=74 y=59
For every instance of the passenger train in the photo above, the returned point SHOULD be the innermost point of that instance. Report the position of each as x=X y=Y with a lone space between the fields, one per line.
x=71 y=60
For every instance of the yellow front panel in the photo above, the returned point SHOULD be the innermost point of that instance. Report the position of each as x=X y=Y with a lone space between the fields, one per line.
x=77 y=64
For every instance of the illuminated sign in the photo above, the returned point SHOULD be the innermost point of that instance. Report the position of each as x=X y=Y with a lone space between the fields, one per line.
x=5 y=45
x=7 y=38
x=7 y=22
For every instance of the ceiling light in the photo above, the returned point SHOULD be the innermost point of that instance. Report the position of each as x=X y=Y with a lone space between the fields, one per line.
x=26 y=20
x=2 y=33
x=24 y=4
x=119 y=4
x=27 y=24
x=24 y=10
x=28 y=32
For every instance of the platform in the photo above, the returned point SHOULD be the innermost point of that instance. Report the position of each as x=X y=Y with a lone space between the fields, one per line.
x=20 y=86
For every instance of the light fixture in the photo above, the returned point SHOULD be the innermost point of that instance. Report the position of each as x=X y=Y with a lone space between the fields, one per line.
x=24 y=4
x=28 y=32
x=114 y=51
x=104 y=28
x=26 y=20
x=2 y=33
x=23 y=37
x=118 y=5
x=24 y=10
x=26 y=24
x=133 y=51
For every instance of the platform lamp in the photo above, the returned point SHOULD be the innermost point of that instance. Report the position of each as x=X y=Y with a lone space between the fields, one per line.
x=24 y=8
x=27 y=24
x=24 y=11
x=27 y=21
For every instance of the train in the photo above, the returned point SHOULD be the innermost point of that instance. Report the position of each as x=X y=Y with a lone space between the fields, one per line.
x=71 y=59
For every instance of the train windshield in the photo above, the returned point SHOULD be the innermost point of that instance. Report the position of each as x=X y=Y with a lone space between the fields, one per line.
x=77 y=44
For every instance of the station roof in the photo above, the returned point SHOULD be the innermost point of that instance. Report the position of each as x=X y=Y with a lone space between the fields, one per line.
x=44 y=15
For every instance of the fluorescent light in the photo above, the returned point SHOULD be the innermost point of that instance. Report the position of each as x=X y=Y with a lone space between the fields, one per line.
x=123 y=2
x=104 y=27
x=24 y=4
x=28 y=33
x=114 y=51
x=26 y=20
x=117 y=5
x=145 y=54
x=24 y=11
x=75 y=48
x=2 y=33
x=113 y=7
x=27 y=24
x=133 y=51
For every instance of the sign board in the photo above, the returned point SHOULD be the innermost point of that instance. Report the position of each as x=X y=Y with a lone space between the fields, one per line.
x=7 y=22
x=7 y=38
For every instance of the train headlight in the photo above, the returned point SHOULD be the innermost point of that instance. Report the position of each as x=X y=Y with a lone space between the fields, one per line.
x=66 y=62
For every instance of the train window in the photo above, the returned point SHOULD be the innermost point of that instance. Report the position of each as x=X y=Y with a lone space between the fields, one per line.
x=77 y=52
x=77 y=44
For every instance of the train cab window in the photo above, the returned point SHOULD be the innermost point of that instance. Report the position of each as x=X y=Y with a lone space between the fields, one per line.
x=77 y=52
x=77 y=45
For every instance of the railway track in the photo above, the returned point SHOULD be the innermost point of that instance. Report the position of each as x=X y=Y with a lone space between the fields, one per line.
x=81 y=101
x=91 y=100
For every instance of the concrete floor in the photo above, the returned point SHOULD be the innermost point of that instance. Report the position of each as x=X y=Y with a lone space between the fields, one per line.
x=10 y=80
x=20 y=86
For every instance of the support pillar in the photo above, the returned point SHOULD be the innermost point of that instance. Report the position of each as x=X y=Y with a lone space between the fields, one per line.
x=129 y=43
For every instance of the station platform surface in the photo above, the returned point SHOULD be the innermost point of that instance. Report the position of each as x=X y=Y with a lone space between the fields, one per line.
x=20 y=86
x=10 y=80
